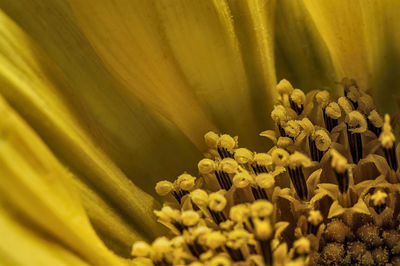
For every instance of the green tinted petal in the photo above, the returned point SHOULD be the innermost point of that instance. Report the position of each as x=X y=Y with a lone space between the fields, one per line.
x=144 y=143
x=22 y=246
x=202 y=38
x=301 y=54
x=254 y=25
x=25 y=85
x=37 y=185
x=134 y=49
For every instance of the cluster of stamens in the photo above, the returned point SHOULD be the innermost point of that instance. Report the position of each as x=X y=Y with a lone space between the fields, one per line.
x=332 y=170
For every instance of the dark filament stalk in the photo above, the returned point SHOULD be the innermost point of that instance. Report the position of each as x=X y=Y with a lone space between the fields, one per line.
x=316 y=155
x=236 y=254
x=179 y=194
x=377 y=130
x=296 y=108
x=355 y=104
x=281 y=130
x=196 y=249
x=259 y=193
x=224 y=153
x=343 y=181
x=299 y=182
x=218 y=217
x=312 y=229
x=224 y=180
x=266 y=252
x=162 y=262
x=380 y=208
x=257 y=169
x=330 y=123
x=391 y=158
x=355 y=144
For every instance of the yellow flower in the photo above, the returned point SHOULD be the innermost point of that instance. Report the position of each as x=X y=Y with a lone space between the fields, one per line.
x=99 y=100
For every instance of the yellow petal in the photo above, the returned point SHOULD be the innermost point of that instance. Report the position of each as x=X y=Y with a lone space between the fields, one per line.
x=361 y=207
x=359 y=35
x=128 y=37
x=36 y=184
x=254 y=24
x=22 y=246
x=301 y=54
x=143 y=143
x=25 y=83
x=335 y=210
x=202 y=38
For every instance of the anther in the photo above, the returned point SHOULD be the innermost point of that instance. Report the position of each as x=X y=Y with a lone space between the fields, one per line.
x=242 y=179
x=297 y=99
x=227 y=167
x=226 y=144
x=356 y=124
x=164 y=187
x=261 y=162
x=375 y=122
x=331 y=114
x=264 y=233
x=313 y=221
x=295 y=168
x=387 y=140
x=216 y=205
x=211 y=139
x=379 y=201
x=353 y=94
x=243 y=155
x=319 y=142
x=339 y=165
x=264 y=181
x=302 y=246
x=237 y=239
x=322 y=98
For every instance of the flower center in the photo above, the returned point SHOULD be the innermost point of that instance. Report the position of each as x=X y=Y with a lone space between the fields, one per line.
x=328 y=182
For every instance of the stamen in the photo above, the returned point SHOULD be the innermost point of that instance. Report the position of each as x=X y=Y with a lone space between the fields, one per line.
x=226 y=144
x=243 y=155
x=216 y=205
x=379 y=201
x=339 y=164
x=302 y=246
x=235 y=254
x=316 y=155
x=387 y=140
x=319 y=142
x=356 y=124
x=345 y=104
x=211 y=139
x=298 y=181
x=164 y=187
x=313 y=221
x=242 y=179
x=331 y=114
x=297 y=100
x=295 y=168
x=322 y=98
x=375 y=122
x=353 y=94
x=264 y=233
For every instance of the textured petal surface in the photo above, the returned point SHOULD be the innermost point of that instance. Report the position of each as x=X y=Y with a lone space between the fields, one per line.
x=36 y=184
x=22 y=246
x=27 y=87
x=362 y=39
